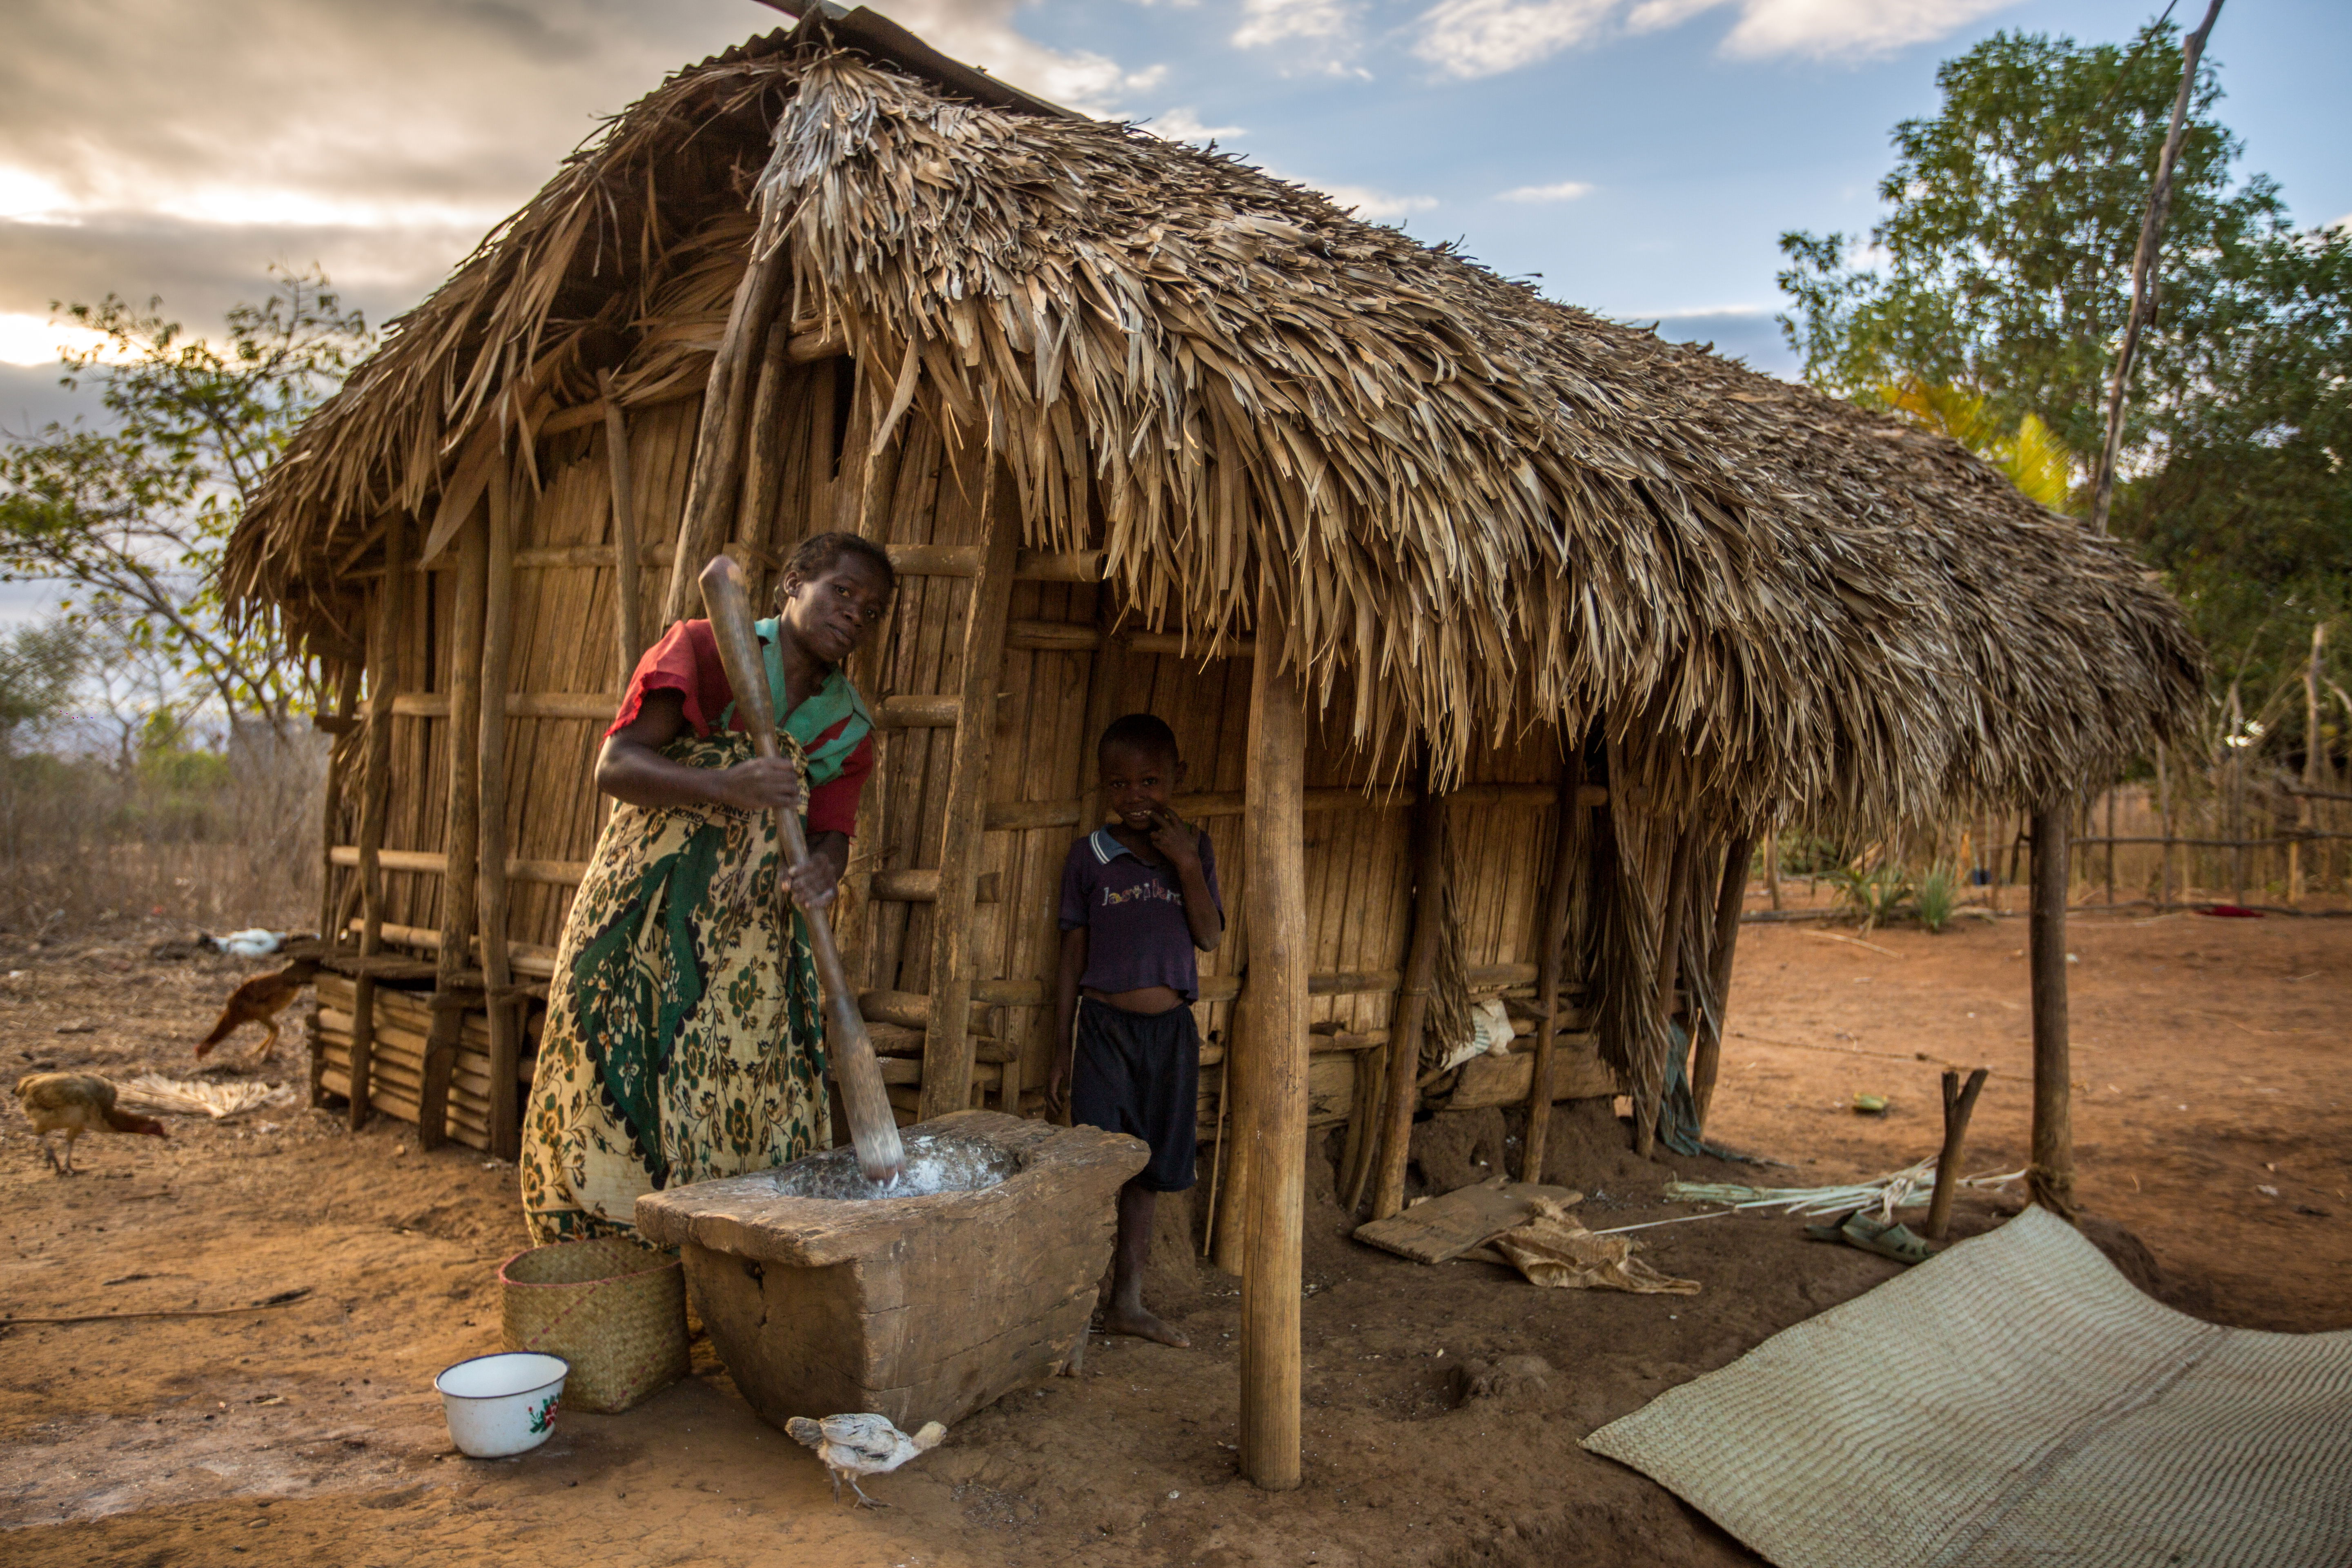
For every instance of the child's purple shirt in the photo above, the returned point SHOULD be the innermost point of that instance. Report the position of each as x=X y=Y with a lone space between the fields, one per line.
x=1133 y=914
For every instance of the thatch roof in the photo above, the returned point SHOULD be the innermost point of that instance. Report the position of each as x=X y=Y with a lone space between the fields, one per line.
x=1483 y=509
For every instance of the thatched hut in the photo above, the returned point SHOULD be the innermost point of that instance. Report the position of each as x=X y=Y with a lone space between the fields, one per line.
x=1492 y=630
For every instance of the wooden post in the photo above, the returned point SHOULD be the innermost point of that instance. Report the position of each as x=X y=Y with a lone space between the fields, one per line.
x=763 y=466
x=462 y=841
x=1566 y=845
x=1959 y=1104
x=497 y=978
x=1773 y=863
x=1669 y=949
x=375 y=800
x=629 y=608
x=946 y=1042
x=2111 y=845
x=2314 y=748
x=2164 y=817
x=2051 y=1177
x=1273 y=1044
x=1409 y=1015
x=718 y=441
x=1706 y=1034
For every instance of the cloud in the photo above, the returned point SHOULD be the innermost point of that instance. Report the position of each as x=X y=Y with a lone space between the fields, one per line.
x=1565 y=191
x=1184 y=124
x=149 y=147
x=1317 y=36
x=1375 y=204
x=1472 y=39
x=1821 y=27
x=1486 y=38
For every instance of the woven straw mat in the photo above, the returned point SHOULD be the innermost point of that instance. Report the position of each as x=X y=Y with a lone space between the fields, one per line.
x=614 y=1310
x=2014 y=1401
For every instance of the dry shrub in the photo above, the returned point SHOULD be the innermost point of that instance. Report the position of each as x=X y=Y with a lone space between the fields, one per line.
x=218 y=839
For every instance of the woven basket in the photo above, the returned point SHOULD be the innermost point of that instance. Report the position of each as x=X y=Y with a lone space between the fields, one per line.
x=611 y=1309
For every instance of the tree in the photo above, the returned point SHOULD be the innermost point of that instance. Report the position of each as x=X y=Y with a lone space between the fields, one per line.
x=134 y=515
x=2005 y=262
x=39 y=667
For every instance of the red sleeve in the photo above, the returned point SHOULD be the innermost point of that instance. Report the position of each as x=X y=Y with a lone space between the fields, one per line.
x=685 y=661
x=832 y=807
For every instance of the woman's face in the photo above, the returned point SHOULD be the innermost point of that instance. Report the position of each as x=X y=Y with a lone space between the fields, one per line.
x=831 y=612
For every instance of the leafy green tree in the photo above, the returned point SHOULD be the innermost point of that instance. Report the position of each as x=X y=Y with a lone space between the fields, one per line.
x=2004 y=264
x=135 y=513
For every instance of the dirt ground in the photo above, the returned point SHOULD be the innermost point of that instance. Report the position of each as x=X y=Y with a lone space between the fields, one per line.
x=2211 y=1125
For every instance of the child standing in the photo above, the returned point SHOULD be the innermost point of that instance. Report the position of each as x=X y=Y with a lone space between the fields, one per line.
x=1137 y=897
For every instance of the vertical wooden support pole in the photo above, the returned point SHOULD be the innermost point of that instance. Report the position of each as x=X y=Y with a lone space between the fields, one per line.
x=498 y=976
x=628 y=586
x=2051 y=1175
x=2164 y=830
x=1706 y=1034
x=1669 y=975
x=763 y=464
x=330 y=822
x=718 y=441
x=461 y=842
x=2111 y=792
x=946 y=1044
x=1409 y=1015
x=1772 y=862
x=1273 y=1045
x=1568 y=826
x=375 y=799
x=2315 y=752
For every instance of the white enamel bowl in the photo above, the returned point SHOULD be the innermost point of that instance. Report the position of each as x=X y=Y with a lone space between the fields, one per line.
x=502 y=1404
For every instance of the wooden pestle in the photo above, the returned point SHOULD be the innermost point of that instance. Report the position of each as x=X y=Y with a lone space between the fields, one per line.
x=872 y=1127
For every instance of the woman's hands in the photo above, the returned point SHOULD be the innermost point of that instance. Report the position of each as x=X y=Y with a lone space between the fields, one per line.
x=813 y=885
x=762 y=783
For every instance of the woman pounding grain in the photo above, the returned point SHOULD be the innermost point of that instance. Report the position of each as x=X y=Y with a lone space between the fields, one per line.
x=684 y=1035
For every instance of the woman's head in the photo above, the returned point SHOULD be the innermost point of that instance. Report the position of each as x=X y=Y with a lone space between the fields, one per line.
x=835 y=588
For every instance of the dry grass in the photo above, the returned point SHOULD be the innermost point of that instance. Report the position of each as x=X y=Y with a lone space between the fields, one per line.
x=219 y=845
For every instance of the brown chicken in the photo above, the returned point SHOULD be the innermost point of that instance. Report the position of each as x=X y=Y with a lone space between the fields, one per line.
x=74 y=1103
x=259 y=1001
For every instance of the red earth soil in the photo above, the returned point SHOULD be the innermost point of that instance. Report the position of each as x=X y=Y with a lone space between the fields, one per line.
x=2209 y=1132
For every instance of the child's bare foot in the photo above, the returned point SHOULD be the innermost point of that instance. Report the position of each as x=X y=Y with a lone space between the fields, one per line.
x=1143 y=1325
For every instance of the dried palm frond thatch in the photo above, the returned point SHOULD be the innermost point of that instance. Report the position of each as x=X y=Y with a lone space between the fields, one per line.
x=1482 y=509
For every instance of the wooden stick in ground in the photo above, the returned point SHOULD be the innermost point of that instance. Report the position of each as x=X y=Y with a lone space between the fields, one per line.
x=1217 y=1155
x=1410 y=1013
x=1274 y=1049
x=1669 y=949
x=2051 y=1177
x=2144 y=259
x=462 y=842
x=2164 y=817
x=1566 y=842
x=1706 y=1044
x=2111 y=792
x=1773 y=863
x=629 y=589
x=875 y=1131
x=2315 y=752
x=375 y=798
x=1959 y=1104
x=497 y=978
x=1371 y=1079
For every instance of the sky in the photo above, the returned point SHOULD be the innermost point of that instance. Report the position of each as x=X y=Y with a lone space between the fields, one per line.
x=1642 y=156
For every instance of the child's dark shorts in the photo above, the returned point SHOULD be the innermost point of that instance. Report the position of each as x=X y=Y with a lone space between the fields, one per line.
x=1139 y=1073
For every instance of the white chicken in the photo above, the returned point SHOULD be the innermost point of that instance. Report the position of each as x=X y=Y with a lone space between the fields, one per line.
x=866 y=1444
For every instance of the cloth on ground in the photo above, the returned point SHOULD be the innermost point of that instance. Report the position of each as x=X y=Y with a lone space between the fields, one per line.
x=1552 y=1248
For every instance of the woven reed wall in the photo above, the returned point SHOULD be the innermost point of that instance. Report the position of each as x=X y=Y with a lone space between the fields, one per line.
x=922 y=492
